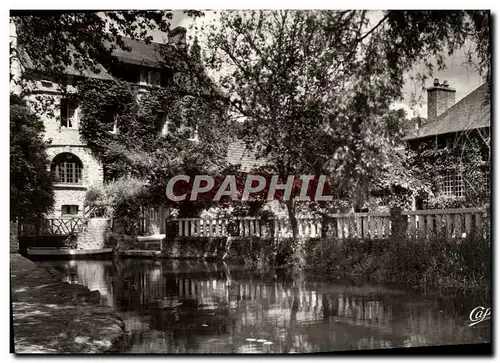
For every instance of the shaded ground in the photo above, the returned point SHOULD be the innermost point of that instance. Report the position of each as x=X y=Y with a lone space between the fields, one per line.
x=51 y=316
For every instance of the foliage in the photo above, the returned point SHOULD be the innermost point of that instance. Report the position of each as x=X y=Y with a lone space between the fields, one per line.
x=31 y=193
x=83 y=41
x=122 y=199
x=253 y=252
x=463 y=157
x=82 y=44
x=56 y=44
x=315 y=87
x=117 y=192
x=139 y=148
x=438 y=262
x=395 y=186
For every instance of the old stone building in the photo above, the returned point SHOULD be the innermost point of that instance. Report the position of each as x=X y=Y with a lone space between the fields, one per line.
x=72 y=164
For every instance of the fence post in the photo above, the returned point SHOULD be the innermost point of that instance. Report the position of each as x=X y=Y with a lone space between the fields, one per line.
x=399 y=223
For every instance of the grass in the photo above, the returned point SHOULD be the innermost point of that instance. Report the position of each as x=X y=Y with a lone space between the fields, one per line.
x=436 y=263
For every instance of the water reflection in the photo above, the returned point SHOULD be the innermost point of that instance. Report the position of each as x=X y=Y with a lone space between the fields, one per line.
x=183 y=307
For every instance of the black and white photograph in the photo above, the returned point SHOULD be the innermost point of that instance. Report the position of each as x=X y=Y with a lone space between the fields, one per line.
x=250 y=181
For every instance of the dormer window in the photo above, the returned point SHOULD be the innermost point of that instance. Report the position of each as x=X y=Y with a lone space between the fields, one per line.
x=69 y=113
x=150 y=77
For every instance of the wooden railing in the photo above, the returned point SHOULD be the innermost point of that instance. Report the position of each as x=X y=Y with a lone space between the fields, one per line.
x=453 y=222
x=53 y=226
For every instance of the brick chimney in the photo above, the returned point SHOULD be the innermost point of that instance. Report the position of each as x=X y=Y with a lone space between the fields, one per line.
x=177 y=37
x=440 y=97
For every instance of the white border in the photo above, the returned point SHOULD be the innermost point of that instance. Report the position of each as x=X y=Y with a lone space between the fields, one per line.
x=193 y=4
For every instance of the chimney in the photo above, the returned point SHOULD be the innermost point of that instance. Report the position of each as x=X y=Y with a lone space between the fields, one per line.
x=177 y=37
x=440 y=97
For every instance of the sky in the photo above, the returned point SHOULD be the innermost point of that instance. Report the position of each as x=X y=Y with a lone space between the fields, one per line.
x=460 y=75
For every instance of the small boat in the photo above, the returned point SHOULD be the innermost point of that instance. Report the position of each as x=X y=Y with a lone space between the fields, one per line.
x=54 y=252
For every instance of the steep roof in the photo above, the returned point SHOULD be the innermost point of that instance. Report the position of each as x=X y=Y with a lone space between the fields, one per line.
x=239 y=153
x=70 y=69
x=471 y=112
x=140 y=54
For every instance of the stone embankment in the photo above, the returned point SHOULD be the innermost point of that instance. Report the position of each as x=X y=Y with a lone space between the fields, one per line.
x=52 y=316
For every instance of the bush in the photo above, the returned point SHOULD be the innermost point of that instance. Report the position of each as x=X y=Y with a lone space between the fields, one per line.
x=253 y=252
x=435 y=262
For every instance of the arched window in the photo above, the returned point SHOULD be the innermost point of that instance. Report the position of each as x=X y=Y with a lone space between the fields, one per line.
x=67 y=169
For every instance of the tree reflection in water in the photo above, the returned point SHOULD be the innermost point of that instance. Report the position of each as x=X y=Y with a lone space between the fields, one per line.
x=186 y=307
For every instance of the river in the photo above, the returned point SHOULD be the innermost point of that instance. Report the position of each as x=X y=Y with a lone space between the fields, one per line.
x=192 y=307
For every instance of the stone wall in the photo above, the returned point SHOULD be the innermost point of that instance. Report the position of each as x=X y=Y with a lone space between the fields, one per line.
x=195 y=248
x=67 y=140
x=244 y=250
x=96 y=235
x=70 y=196
x=92 y=174
x=51 y=118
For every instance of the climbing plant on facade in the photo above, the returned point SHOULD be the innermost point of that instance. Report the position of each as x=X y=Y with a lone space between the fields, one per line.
x=124 y=125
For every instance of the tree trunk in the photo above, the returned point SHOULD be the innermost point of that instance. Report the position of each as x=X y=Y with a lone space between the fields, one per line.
x=293 y=219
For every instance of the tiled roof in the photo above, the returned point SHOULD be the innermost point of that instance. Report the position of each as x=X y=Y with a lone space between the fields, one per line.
x=140 y=53
x=471 y=112
x=239 y=153
x=103 y=74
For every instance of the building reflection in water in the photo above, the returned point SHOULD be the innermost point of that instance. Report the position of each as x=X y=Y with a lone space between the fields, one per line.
x=92 y=274
x=200 y=308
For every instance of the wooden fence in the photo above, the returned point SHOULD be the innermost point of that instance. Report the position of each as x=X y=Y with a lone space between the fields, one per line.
x=53 y=226
x=416 y=224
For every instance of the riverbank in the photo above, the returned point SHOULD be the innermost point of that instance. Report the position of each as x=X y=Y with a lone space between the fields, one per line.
x=52 y=316
x=437 y=263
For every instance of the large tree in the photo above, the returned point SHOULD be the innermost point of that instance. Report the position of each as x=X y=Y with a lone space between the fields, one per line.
x=315 y=87
x=31 y=193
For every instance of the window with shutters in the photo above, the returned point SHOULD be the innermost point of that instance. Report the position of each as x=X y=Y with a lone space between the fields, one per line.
x=67 y=169
x=69 y=114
